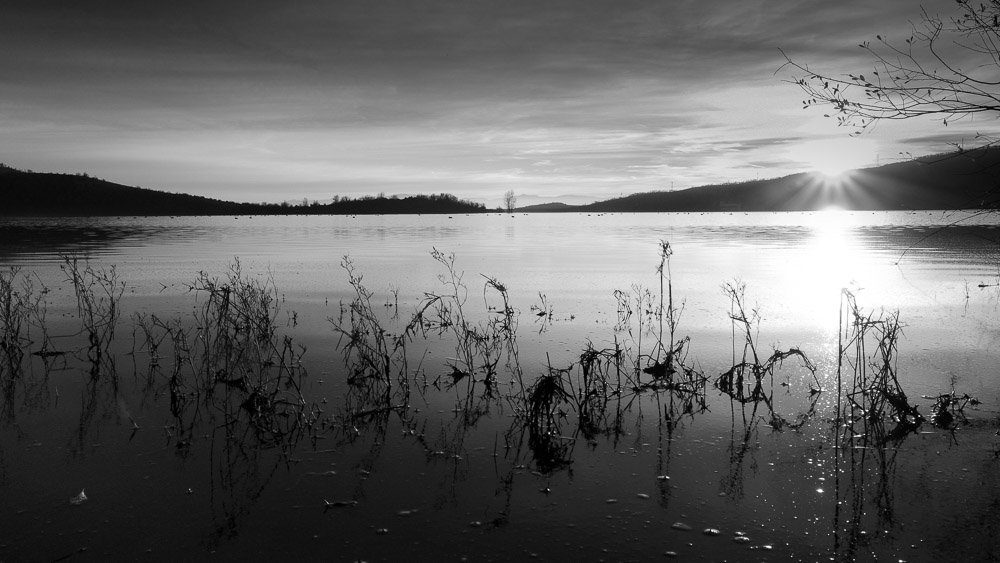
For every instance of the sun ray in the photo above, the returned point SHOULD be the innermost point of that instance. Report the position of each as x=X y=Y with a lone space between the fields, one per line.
x=831 y=158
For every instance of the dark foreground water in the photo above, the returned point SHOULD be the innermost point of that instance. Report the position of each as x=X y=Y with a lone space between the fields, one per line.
x=248 y=402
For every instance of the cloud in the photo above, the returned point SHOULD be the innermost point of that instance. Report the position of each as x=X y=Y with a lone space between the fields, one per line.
x=458 y=96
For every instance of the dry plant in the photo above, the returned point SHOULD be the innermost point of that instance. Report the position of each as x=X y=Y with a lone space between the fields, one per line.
x=241 y=352
x=15 y=311
x=369 y=349
x=750 y=380
x=98 y=296
x=869 y=348
x=949 y=408
x=657 y=318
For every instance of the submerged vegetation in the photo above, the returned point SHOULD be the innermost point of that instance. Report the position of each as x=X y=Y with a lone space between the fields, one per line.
x=98 y=293
x=232 y=359
x=750 y=381
x=237 y=384
x=227 y=358
x=874 y=394
x=230 y=349
x=588 y=397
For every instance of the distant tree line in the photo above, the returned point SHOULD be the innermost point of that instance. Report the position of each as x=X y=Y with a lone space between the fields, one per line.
x=434 y=203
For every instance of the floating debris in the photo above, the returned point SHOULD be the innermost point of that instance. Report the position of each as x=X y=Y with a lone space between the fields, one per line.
x=643 y=496
x=78 y=499
x=382 y=531
x=949 y=408
x=711 y=532
x=681 y=526
x=741 y=539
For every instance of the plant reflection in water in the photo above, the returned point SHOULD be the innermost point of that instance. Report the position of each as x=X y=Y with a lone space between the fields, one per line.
x=586 y=399
x=230 y=370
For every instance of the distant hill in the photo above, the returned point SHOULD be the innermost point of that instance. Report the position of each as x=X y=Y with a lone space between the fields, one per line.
x=24 y=193
x=965 y=180
x=555 y=206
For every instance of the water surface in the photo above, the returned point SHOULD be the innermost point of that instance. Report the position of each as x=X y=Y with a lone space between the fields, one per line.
x=453 y=475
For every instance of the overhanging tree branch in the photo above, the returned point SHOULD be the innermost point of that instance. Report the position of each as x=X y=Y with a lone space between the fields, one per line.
x=948 y=69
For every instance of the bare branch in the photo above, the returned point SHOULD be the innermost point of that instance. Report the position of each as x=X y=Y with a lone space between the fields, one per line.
x=948 y=69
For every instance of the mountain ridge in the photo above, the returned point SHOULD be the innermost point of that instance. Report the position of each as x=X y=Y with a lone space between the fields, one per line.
x=967 y=179
x=961 y=180
x=40 y=194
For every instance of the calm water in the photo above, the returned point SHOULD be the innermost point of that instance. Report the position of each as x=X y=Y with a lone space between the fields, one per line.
x=451 y=475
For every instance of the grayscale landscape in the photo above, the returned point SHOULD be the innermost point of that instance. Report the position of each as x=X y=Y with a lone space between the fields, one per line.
x=474 y=281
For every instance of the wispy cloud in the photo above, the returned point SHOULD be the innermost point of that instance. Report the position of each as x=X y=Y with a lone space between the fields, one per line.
x=257 y=100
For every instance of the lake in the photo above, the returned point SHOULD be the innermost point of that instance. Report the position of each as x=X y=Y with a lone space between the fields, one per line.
x=502 y=388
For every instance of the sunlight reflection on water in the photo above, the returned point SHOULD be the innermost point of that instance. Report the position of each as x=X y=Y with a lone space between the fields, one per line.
x=794 y=265
x=764 y=483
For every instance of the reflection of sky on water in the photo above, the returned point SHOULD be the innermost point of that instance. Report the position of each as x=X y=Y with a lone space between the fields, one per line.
x=794 y=265
x=759 y=481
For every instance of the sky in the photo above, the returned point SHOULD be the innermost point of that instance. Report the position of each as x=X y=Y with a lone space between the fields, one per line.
x=571 y=100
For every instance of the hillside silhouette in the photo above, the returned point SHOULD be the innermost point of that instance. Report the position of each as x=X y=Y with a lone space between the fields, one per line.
x=26 y=194
x=962 y=180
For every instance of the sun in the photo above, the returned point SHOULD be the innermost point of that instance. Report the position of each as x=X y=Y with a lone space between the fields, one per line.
x=832 y=158
x=831 y=170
